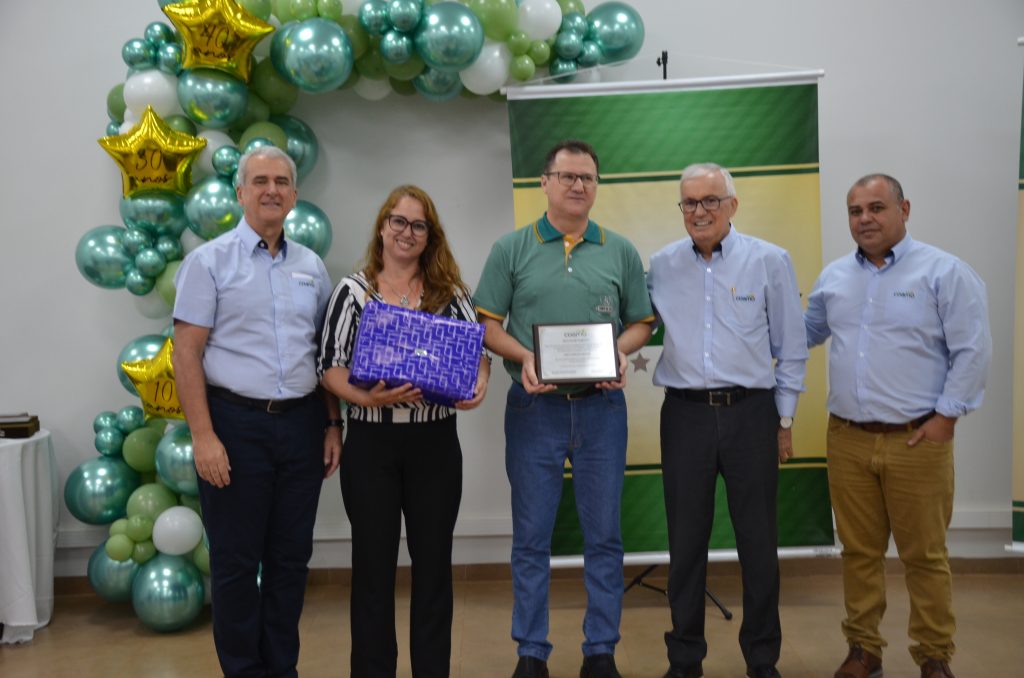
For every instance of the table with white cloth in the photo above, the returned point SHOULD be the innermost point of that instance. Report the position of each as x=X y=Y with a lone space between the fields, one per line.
x=29 y=510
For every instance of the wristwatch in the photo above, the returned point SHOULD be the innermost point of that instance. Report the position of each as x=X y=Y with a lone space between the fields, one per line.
x=340 y=423
x=786 y=423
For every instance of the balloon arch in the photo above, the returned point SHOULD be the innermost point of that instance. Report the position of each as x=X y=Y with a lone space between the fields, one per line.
x=197 y=96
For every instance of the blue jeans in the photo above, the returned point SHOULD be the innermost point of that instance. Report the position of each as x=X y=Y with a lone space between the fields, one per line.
x=541 y=432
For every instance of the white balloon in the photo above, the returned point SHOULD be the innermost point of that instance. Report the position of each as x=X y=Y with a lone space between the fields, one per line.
x=190 y=241
x=177 y=530
x=372 y=90
x=152 y=305
x=540 y=19
x=154 y=88
x=490 y=70
x=203 y=166
x=588 y=75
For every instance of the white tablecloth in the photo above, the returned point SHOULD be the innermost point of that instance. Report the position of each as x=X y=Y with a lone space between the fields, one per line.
x=29 y=509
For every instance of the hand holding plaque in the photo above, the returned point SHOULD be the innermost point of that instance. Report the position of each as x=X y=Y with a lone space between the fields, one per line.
x=578 y=353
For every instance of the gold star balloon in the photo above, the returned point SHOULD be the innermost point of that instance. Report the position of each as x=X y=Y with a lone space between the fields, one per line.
x=152 y=156
x=154 y=380
x=217 y=34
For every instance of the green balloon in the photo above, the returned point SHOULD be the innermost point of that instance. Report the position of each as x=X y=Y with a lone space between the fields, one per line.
x=519 y=43
x=191 y=502
x=119 y=547
x=266 y=130
x=279 y=94
x=522 y=68
x=119 y=526
x=371 y=65
x=158 y=423
x=139 y=528
x=201 y=557
x=148 y=478
x=498 y=17
x=356 y=35
x=260 y=9
x=329 y=9
x=407 y=71
x=404 y=88
x=283 y=11
x=143 y=552
x=256 y=110
x=150 y=500
x=181 y=123
x=139 y=449
x=115 y=103
x=540 y=52
x=165 y=283
x=569 y=6
x=353 y=78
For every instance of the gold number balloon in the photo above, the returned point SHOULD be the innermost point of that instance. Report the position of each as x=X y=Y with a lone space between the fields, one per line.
x=217 y=34
x=154 y=380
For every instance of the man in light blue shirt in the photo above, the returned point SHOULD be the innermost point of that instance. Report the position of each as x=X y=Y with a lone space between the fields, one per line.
x=733 y=368
x=248 y=311
x=909 y=355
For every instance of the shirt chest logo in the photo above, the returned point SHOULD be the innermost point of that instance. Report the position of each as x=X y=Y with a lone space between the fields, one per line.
x=749 y=297
x=605 y=307
x=904 y=294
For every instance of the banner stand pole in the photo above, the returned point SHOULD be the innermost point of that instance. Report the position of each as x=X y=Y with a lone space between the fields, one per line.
x=639 y=581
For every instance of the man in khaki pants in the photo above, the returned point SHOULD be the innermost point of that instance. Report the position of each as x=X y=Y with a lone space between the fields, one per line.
x=909 y=355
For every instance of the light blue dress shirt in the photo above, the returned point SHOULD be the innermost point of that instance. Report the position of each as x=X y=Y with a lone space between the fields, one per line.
x=264 y=313
x=729 y=319
x=907 y=338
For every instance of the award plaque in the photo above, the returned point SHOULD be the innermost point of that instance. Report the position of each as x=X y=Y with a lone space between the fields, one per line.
x=579 y=353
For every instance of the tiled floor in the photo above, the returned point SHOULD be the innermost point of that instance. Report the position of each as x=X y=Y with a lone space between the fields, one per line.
x=89 y=637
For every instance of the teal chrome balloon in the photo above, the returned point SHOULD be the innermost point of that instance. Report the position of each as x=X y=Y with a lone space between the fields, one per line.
x=212 y=98
x=303 y=146
x=140 y=348
x=167 y=593
x=435 y=85
x=404 y=15
x=136 y=240
x=449 y=37
x=101 y=257
x=373 y=17
x=170 y=248
x=617 y=29
x=212 y=208
x=130 y=419
x=111 y=580
x=590 y=54
x=174 y=462
x=155 y=212
x=575 y=22
x=568 y=44
x=138 y=283
x=169 y=58
x=109 y=442
x=564 y=70
x=97 y=490
x=257 y=142
x=396 y=47
x=105 y=419
x=139 y=53
x=149 y=262
x=308 y=225
x=158 y=33
x=113 y=129
x=315 y=55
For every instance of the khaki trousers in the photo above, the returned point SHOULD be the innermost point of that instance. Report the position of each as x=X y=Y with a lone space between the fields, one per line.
x=879 y=486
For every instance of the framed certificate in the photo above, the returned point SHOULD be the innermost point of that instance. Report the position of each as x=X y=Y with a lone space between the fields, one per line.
x=578 y=353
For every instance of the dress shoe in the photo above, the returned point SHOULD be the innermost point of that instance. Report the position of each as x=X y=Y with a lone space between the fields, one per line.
x=766 y=671
x=936 y=668
x=686 y=672
x=531 y=667
x=860 y=663
x=599 y=666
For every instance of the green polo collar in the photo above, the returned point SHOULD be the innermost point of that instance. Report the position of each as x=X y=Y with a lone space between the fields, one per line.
x=545 y=232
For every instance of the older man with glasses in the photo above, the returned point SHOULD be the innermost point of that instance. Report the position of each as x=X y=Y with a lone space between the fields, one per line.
x=564 y=268
x=732 y=368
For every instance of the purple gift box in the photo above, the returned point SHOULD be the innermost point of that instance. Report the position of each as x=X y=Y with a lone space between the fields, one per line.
x=438 y=355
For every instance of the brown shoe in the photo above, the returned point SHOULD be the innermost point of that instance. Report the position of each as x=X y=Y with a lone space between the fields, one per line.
x=862 y=664
x=936 y=668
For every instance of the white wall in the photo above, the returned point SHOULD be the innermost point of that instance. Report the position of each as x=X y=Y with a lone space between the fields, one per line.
x=927 y=90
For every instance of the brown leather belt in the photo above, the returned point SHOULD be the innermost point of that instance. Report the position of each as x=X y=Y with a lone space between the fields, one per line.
x=885 y=427
x=270 y=406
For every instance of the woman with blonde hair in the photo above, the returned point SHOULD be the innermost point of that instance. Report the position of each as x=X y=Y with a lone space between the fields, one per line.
x=401 y=455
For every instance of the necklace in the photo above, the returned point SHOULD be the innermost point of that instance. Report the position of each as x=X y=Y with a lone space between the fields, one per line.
x=403 y=299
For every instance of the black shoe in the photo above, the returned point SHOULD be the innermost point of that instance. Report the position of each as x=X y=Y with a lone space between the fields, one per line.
x=599 y=666
x=763 y=672
x=531 y=667
x=686 y=672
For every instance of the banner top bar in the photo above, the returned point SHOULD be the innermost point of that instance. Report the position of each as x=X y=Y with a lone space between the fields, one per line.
x=644 y=86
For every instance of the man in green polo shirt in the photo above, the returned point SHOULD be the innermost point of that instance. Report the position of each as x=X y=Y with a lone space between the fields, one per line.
x=564 y=268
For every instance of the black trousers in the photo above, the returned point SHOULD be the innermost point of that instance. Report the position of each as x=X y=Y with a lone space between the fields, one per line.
x=698 y=442
x=264 y=516
x=389 y=470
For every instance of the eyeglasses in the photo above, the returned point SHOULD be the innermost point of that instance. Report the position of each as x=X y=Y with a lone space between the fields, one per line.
x=569 y=179
x=710 y=203
x=399 y=223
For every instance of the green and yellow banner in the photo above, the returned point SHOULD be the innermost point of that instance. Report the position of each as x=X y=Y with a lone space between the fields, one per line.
x=1018 y=363
x=767 y=136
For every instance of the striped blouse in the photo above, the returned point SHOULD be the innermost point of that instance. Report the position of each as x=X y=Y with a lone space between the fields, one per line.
x=339 y=338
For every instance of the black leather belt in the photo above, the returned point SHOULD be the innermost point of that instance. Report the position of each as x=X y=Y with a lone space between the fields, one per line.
x=270 y=406
x=715 y=397
x=885 y=427
x=577 y=395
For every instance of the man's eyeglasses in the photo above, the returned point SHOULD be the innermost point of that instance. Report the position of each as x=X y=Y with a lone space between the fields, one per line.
x=710 y=203
x=569 y=179
x=398 y=223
